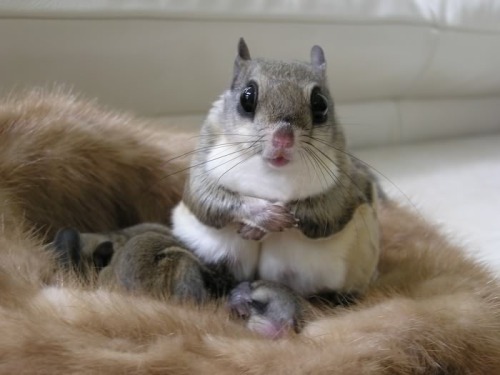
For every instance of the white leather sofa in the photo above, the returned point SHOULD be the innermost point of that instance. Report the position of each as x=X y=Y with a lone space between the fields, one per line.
x=416 y=82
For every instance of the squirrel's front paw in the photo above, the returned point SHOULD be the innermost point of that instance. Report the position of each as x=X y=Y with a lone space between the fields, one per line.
x=276 y=218
x=263 y=216
x=250 y=232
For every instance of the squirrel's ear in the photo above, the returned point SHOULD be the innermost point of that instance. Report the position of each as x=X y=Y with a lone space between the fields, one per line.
x=102 y=254
x=318 y=59
x=68 y=247
x=243 y=56
x=243 y=51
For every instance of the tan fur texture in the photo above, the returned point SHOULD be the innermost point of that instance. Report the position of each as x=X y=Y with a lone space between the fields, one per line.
x=67 y=162
x=432 y=311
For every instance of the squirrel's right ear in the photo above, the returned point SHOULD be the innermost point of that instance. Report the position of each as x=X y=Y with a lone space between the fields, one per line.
x=318 y=60
x=242 y=57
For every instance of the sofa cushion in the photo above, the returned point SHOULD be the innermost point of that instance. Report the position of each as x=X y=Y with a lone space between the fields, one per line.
x=387 y=59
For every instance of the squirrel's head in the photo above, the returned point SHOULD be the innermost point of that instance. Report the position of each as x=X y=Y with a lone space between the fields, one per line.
x=290 y=93
x=282 y=103
x=276 y=119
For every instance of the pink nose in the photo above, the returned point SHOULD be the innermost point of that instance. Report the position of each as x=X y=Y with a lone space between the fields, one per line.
x=283 y=138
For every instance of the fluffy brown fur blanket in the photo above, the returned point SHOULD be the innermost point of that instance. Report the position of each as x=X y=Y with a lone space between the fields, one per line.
x=66 y=162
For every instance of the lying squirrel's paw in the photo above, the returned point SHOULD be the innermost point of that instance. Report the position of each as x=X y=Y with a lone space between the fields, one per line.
x=270 y=309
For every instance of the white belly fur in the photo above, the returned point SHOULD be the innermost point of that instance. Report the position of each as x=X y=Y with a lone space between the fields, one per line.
x=346 y=261
x=216 y=245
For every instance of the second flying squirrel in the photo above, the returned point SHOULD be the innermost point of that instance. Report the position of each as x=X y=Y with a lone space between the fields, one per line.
x=272 y=193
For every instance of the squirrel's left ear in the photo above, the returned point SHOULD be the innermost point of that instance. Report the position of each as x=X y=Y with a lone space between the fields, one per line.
x=318 y=61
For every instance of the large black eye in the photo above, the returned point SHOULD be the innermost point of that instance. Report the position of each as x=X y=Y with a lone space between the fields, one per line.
x=248 y=98
x=319 y=106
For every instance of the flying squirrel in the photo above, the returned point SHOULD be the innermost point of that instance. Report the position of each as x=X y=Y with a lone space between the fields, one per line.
x=145 y=258
x=272 y=192
x=272 y=196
